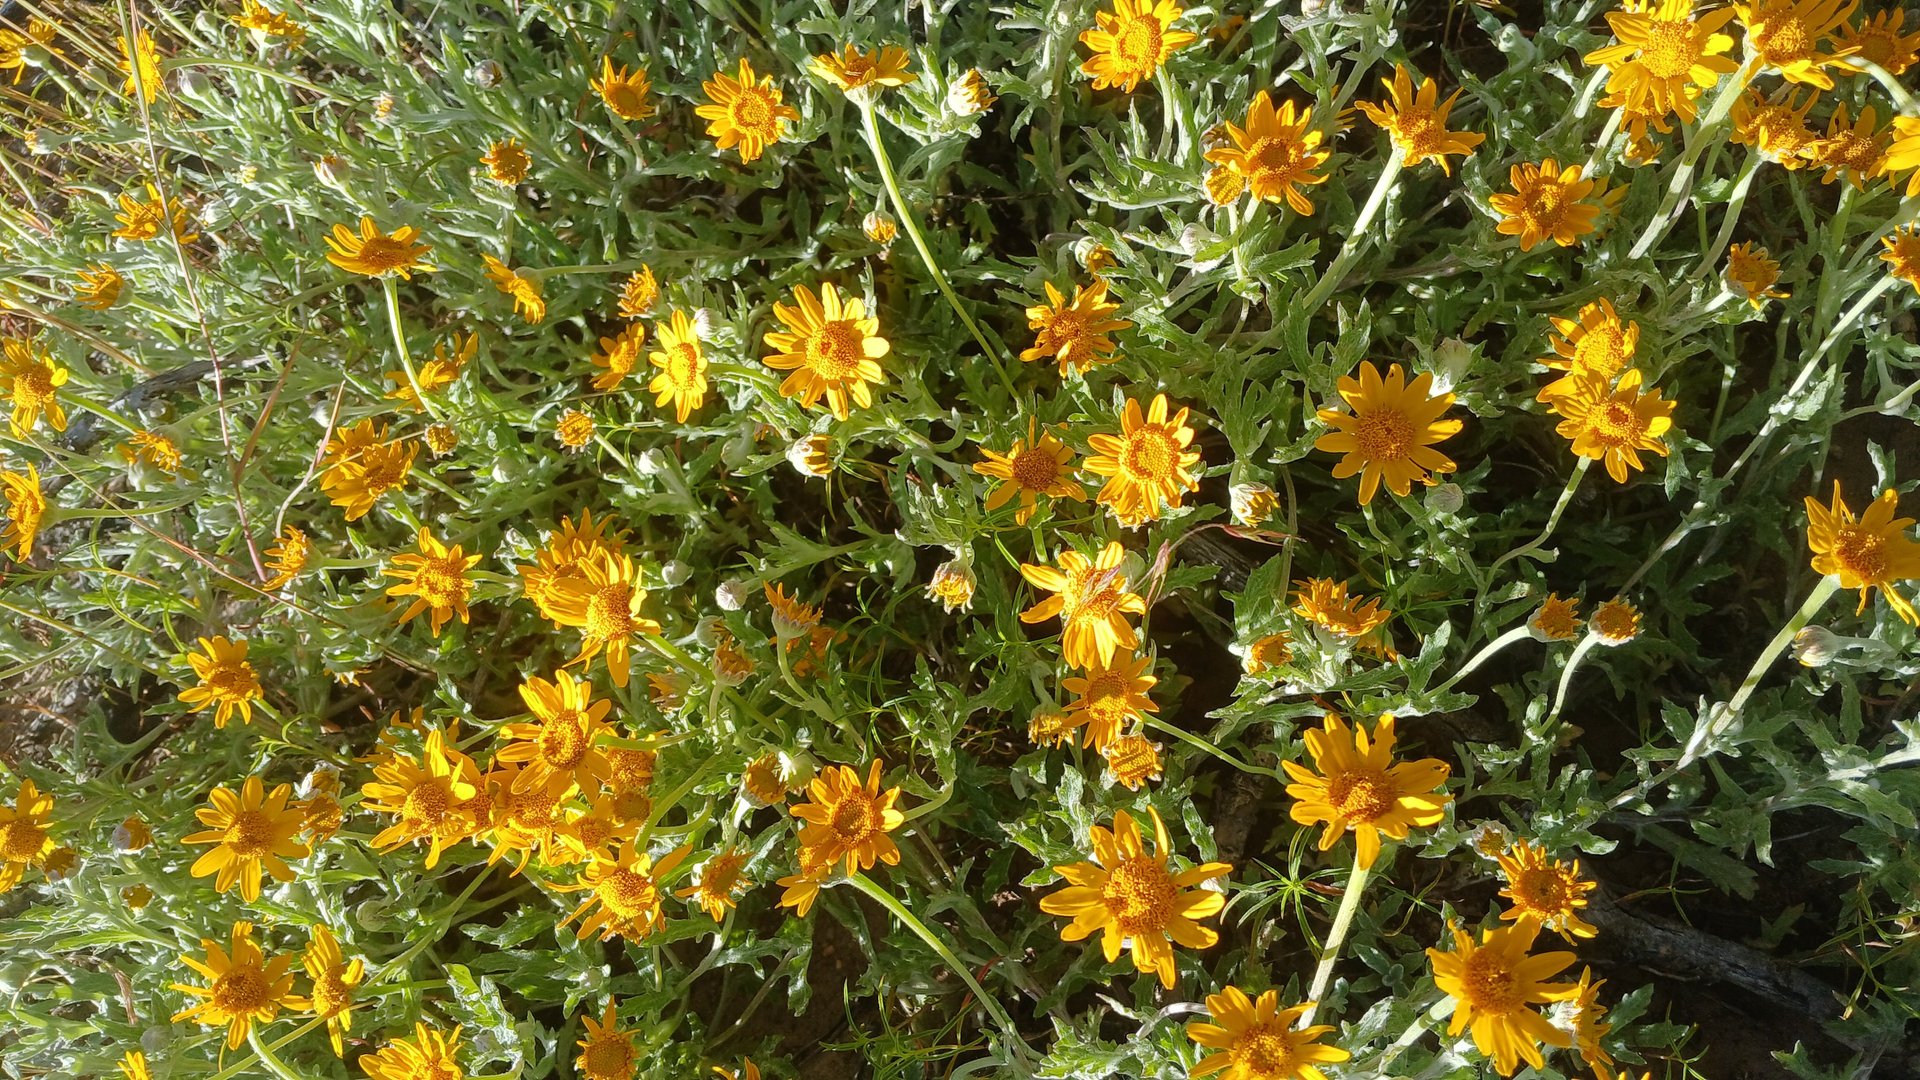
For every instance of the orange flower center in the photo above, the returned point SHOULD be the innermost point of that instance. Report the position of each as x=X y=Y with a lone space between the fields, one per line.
x=752 y=112
x=609 y=612
x=442 y=581
x=683 y=366
x=1670 y=51
x=427 y=802
x=21 y=840
x=627 y=894
x=609 y=1055
x=33 y=386
x=1782 y=44
x=331 y=997
x=1140 y=895
x=1616 y=622
x=1602 y=350
x=624 y=99
x=1360 y=795
x=1861 y=552
x=1850 y=149
x=1264 y=1050
x=1615 y=424
x=232 y=682
x=1418 y=132
x=250 y=834
x=243 y=989
x=1150 y=455
x=386 y=468
x=1490 y=985
x=835 y=350
x=1136 y=46
x=1384 y=434
x=1274 y=161
x=575 y=430
x=383 y=254
x=855 y=818
x=1543 y=205
x=632 y=804
x=1541 y=889
x=1066 y=330
x=562 y=742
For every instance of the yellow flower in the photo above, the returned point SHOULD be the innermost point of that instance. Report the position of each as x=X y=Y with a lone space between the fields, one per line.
x=525 y=818
x=133 y=1063
x=255 y=17
x=142 y=220
x=1252 y=504
x=32 y=380
x=1132 y=761
x=720 y=878
x=26 y=508
x=682 y=378
x=1273 y=154
x=1492 y=982
x=286 y=558
x=1049 y=729
x=373 y=253
x=561 y=741
x=1092 y=602
x=1855 y=149
x=362 y=464
x=1776 y=127
x=252 y=832
x=574 y=429
x=1557 y=620
x=604 y=604
x=99 y=288
x=746 y=112
x=334 y=980
x=847 y=820
x=627 y=891
x=507 y=162
x=832 y=348
x=1256 y=1040
x=435 y=575
x=850 y=69
x=1615 y=425
x=1129 y=896
x=607 y=1052
x=226 y=679
x=1866 y=553
x=1130 y=42
x=1360 y=789
x=1074 y=333
x=1146 y=463
x=1034 y=466
x=1417 y=125
x=245 y=986
x=132 y=834
x=1390 y=432
x=1546 y=890
x=1108 y=698
x=1267 y=653
x=1903 y=253
x=1587 y=1014
x=1325 y=603
x=1615 y=622
x=524 y=290
x=618 y=356
x=1594 y=345
x=1753 y=273
x=1785 y=36
x=969 y=95
x=1663 y=57
x=430 y=795
x=1547 y=203
x=146 y=83
x=626 y=92
x=565 y=556
x=638 y=294
x=1879 y=41
x=25 y=836
x=749 y=1071
x=430 y=1055
x=952 y=585
x=153 y=448
x=879 y=227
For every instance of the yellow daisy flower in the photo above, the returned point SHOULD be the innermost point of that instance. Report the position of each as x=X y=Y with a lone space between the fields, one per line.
x=1776 y=127
x=1903 y=253
x=565 y=556
x=1752 y=273
x=1615 y=622
x=32 y=380
x=1389 y=434
x=1663 y=57
x=832 y=348
x=1108 y=698
x=952 y=584
x=561 y=741
x=1132 y=761
x=1855 y=150
x=99 y=288
x=244 y=986
x=850 y=69
x=435 y=375
x=252 y=832
x=507 y=162
x=607 y=1053
x=747 y=112
x=335 y=978
x=1256 y=1039
x=361 y=464
x=25 y=834
x=1492 y=983
x=1615 y=425
x=133 y=1063
x=527 y=302
x=719 y=879
x=1274 y=154
x=526 y=818
x=618 y=356
x=1130 y=897
x=1546 y=890
x=1548 y=202
x=269 y=24
x=1130 y=42
x=1879 y=41
x=1866 y=553
x=1588 y=1016
x=1596 y=344
x=1325 y=603
x=226 y=679
x=574 y=429
x=1360 y=789
x=1146 y=462
x=287 y=558
x=1092 y=602
x=1267 y=653
x=147 y=56
x=431 y=796
x=429 y=1055
x=435 y=576
x=623 y=895
x=143 y=220
x=26 y=509
x=1785 y=36
x=848 y=821
x=1417 y=125
x=152 y=448
x=627 y=93
x=1557 y=619
x=373 y=253
x=682 y=377
x=604 y=604
x=1074 y=333
x=639 y=293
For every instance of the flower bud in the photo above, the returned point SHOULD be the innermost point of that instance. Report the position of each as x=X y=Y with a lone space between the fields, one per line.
x=1816 y=646
x=811 y=455
x=879 y=228
x=1253 y=504
x=1490 y=840
x=732 y=594
x=970 y=95
x=1445 y=498
x=952 y=584
x=487 y=74
x=331 y=170
x=674 y=572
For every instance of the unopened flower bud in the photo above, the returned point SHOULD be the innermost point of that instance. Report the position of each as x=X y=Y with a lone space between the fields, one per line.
x=1490 y=840
x=1445 y=498
x=812 y=455
x=1253 y=504
x=487 y=74
x=879 y=228
x=1816 y=646
x=674 y=572
x=732 y=594
x=970 y=95
x=952 y=584
x=331 y=170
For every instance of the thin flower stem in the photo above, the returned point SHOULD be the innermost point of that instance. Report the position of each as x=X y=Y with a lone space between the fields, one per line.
x=1211 y=750
x=1423 y=1022
x=242 y=1065
x=1553 y=520
x=1680 y=187
x=870 y=121
x=1330 y=952
x=400 y=343
x=1357 y=238
x=886 y=900
x=267 y=1056
x=1580 y=652
x=1739 y=199
x=1484 y=655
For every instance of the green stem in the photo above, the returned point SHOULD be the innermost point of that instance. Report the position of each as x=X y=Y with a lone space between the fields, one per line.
x=920 y=929
x=1357 y=238
x=1681 y=186
x=1553 y=520
x=1580 y=652
x=1211 y=750
x=273 y=1063
x=1330 y=952
x=910 y=223
x=1484 y=655
x=400 y=342
x=1739 y=198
